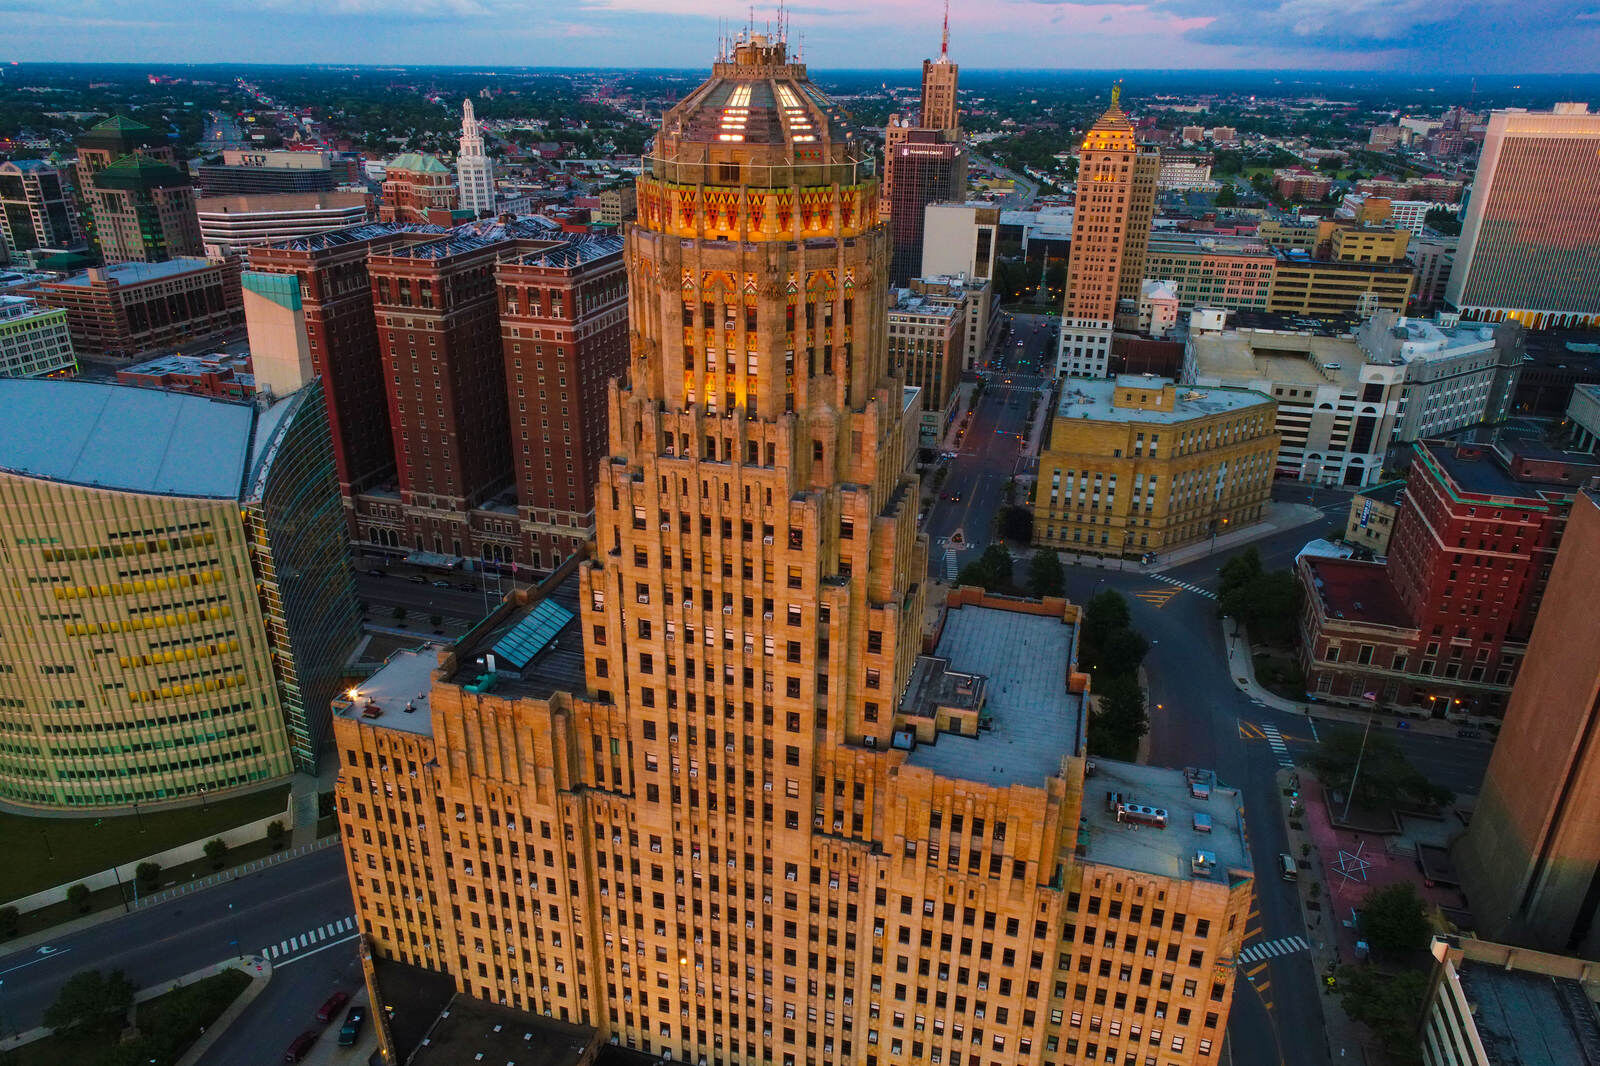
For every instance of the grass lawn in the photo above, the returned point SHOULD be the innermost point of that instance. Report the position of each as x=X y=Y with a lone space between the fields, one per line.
x=168 y=1024
x=1279 y=674
x=41 y=852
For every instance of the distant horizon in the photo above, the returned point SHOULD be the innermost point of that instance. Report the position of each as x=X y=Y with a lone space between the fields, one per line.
x=1419 y=37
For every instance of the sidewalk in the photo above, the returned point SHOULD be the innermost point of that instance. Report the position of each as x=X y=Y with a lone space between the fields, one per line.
x=89 y=921
x=259 y=971
x=1280 y=517
x=1243 y=668
x=1347 y=1040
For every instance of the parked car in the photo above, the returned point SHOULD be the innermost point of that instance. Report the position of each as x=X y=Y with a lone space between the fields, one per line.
x=300 y=1047
x=1469 y=734
x=331 y=1006
x=466 y=586
x=376 y=572
x=353 y=1021
x=417 y=579
x=441 y=584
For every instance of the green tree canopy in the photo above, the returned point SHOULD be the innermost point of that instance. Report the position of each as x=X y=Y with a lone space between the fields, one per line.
x=1114 y=732
x=1393 y=921
x=1388 y=1004
x=1386 y=779
x=1045 y=575
x=91 y=1000
x=991 y=571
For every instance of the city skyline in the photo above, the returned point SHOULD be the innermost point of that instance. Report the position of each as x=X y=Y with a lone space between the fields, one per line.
x=1410 y=35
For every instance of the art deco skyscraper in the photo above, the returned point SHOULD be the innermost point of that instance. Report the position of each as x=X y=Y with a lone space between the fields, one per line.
x=922 y=164
x=1110 y=234
x=707 y=792
x=939 y=110
x=474 y=168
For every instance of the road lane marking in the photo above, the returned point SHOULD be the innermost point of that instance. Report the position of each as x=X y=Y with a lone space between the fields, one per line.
x=1250 y=731
x=1255 y=972
x=1279 y=748
x=1157 y=597
x=317 y=951
x=35 y=962
x=1207 y=593
x=1272 y=949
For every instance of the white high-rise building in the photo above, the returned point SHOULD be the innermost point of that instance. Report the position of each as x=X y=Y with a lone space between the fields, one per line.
x=474 y=168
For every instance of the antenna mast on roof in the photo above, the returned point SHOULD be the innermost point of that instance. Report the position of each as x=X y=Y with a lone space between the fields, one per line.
x=944 y=44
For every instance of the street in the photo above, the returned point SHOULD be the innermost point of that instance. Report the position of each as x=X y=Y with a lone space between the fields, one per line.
x=289 y=901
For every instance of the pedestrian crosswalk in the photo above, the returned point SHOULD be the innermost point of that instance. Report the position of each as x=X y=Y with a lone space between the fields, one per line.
x=344 y=928
x=1157 y=597
x=1279 y=748
x=1196 y=589
x=951 y=567
x=1271 y=949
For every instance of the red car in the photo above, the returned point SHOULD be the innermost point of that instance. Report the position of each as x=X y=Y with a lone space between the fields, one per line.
x=301 y=1046
x=326 y=1012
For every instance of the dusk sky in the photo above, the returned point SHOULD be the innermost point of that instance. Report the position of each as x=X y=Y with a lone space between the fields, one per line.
x=1459 y=36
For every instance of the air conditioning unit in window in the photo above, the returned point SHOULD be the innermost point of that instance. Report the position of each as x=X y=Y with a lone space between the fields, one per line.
x=766 y=540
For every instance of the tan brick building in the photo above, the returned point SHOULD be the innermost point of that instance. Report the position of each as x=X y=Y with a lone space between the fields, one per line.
x=1110 y=235
x=714 y=791
x=1141 y=465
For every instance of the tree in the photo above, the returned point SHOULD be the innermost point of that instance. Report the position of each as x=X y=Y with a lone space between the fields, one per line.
x=1045 y=575
x=1016 y=523
x=148 y=874
x=1105 y=613
x=217 y=852
x=399 y=614
x=991 y=571
x=1227 y=196
x=1386 y=780
x=1114 y=731
x=1446 y=222
x=276 y=834
x=78 y=897
x=1267 y=602
x=91 y=1000
x=1122 y=652
x=1239 y=570
x=1393 y=921
x=436 y=620
x=1387 y=1004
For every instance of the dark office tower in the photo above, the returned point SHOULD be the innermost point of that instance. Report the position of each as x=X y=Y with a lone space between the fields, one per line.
x=927 y=170
x=564 y=331
x=439 y=335
x=36 y=209
x=315 y=292
x=1530 y=861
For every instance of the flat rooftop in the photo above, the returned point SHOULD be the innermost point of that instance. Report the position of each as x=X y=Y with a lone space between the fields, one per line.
x=1092 y=398
x=557 y=663
x=469 y=1031
x=191 y=364
x=1169 y=851
x=1288 y=358
x=1530 y=1019
x=396 y=695
x=1483 y=470
x=1357 y=591
x=277 y=202
x=140 y=273
x=124 y=438
x=1033 y=720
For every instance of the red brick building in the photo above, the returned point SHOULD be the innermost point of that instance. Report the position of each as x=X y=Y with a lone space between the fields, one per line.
x=418 y=188
x=121 y=311
x=333 y=296
x=564 y=329
x=1443 y=625
x=439 y=337
x=223 y=375
x=1298 y=183
x=466 y=372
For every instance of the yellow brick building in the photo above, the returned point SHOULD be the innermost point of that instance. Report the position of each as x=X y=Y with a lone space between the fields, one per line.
x=1141 y=465
x=714 y=791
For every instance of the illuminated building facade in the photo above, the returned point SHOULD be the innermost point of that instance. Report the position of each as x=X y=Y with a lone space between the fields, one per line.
x=1110 y=234
x=712 y=791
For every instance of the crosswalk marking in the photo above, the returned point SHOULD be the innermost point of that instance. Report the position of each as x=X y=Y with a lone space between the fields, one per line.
x=1272 y=949
x=1249 y=731
x=950 y=567
x=1279 y=748
x=1157 y=597
x=300 y=941
x=1207 y=593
